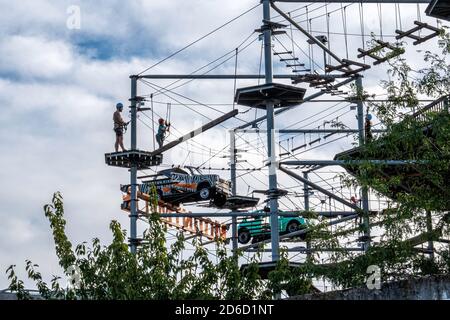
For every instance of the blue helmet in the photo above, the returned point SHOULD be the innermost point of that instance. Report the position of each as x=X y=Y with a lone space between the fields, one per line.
x=369 y=116
x=119 y=106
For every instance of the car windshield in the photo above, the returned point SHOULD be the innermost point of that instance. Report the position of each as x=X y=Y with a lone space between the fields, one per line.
x=168 y=172
x=195 y=171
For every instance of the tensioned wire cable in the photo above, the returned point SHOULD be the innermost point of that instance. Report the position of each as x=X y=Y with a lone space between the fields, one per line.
x=153 y=85
x=303 y=120
x=210 y=63
x=202 y=147
x=200 y=39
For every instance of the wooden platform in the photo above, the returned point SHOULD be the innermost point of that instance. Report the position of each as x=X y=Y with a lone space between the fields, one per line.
x=280 y=94
x=127 y=159
x=439 y=9
x=234 y=203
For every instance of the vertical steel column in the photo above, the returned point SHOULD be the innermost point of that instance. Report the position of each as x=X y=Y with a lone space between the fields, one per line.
x=306 y=192
x=306 y=205
x=362 y=139
x=233 y=160
x=133 y=171
x=273 y=185
x=429 y=230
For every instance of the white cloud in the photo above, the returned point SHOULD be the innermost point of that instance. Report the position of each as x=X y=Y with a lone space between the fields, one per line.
x=35 y=57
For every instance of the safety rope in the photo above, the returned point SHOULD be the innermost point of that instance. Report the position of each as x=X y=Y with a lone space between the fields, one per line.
x=235 y=77
x=361 y=21
x=344 y=24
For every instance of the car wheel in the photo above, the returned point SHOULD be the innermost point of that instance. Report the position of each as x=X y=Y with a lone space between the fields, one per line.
x=204 y=192
x=293 y=226
x=244 y=236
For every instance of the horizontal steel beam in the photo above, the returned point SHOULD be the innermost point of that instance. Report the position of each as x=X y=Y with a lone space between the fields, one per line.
x=306 y=250
x=284 y=131
x=324 y=131
x=346 y=162
x=251 y=214
x=356 y=1
x=213 y=76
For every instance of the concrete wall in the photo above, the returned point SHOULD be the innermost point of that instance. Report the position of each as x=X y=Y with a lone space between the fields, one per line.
x=426 y=288
x=5 y=295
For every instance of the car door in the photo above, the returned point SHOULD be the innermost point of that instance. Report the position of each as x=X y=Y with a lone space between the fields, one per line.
x=182 y=183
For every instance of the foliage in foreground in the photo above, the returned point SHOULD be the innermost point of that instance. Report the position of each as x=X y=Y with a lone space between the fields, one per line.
x=156 y=271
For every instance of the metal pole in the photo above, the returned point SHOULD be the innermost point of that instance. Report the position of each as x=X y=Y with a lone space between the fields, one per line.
x=306 y=200
x=133 y=171
x=317 y=131
x=362 y=139
x=306 y=191
x=326 y=214
x=308 y=251
x=356 y=1
x=429 y=231
x=273 y=185
x=325 y=163
x=216 y=76
x=233 y=158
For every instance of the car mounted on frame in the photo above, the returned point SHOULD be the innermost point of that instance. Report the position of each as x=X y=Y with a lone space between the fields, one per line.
x=258 y=228
x=178 y=186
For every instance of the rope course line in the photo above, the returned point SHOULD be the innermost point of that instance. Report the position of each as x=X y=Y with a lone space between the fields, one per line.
x=210 y=63
x=200 y=39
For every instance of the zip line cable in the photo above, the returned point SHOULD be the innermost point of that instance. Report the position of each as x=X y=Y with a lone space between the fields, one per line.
x=380 y=16
x=235 y=79
x=322 y=15
x=200 y=39
x=202 y=147
x=153 y=85
x=210 y=63
x=153 y=122
x=361 y=21
x=344 y=24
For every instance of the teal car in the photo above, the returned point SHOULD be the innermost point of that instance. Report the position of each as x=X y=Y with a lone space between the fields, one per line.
x=258 y=228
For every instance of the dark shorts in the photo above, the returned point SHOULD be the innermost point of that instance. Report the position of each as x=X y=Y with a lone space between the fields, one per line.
x=119 y=132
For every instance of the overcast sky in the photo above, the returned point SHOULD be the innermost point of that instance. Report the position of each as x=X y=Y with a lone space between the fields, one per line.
x=59 y=85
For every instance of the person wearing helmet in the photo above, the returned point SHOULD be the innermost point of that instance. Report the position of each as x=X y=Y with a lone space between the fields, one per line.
x=119 y=126
x=162 y=129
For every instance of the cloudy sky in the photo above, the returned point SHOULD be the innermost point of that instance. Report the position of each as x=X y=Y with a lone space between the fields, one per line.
x=59 y=85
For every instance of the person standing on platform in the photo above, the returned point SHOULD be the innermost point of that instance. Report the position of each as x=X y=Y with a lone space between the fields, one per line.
x=119 y=127
x=163 y=128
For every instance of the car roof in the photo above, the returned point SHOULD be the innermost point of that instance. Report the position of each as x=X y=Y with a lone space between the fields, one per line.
x=168 y=172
